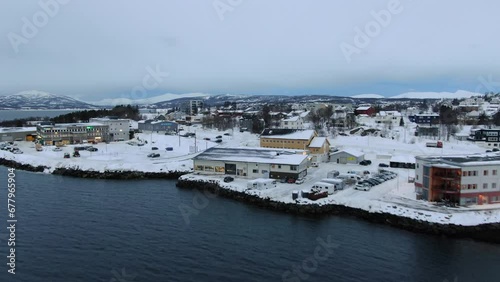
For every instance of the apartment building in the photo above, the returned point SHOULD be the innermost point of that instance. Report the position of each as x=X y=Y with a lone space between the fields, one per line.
x=118 y=129
x=488 y=137
x=461 y=179
x=72 y=133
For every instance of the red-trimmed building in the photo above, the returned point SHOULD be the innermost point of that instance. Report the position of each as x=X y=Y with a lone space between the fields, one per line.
x=460 y=179
x=365 y=110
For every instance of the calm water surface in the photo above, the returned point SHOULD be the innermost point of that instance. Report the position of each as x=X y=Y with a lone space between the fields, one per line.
x=72 y=229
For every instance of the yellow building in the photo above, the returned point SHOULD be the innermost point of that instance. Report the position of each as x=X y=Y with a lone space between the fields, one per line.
x=286 y=138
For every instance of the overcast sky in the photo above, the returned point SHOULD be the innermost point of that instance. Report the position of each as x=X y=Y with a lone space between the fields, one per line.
x=102 y=49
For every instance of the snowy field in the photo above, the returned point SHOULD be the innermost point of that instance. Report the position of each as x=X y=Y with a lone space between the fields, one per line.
x=118 y=156
x=395 y=196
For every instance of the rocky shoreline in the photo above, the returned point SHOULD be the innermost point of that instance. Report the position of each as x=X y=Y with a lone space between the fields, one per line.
x=95 y=174
x=484 y=232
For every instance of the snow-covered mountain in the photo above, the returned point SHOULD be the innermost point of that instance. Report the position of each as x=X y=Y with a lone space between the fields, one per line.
x=436 y=95
x=368 y=96
x=147 y=101
x=35 y=99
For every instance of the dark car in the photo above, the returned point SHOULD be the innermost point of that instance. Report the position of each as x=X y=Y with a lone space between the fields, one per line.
x=291 y=180
x=153 y=155
x=76 y=154
x=154 y=148
x=383 y=165
x=495 y=150
x=66 y=155
x=227 y=134
x=283 y=180
x=228 y=179
x=206 y=138
x=218 y=141
x=365 y=162
x=169 y=149
x=218 y=136
x=92 y=149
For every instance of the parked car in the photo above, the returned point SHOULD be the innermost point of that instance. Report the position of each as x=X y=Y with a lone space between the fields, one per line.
x=76 y=154
x=383 y=165
x=92 y=149
x=495 y=150
x=227 y=134
x=206 y=138
x=17 y=151
x=362 y=187
x=218 y=136
x=66 y=155
x=228 y=179
x=169 y=149
x=153 y=155
x=284 y=180
x=218 y=141
x=314 y=164
x=57 y=149
x=140 y=144
x=154 y=148
x=299 y=181
x=291 y=180
x=365 y=162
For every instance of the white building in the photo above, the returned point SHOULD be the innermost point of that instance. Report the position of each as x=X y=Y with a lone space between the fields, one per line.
x=388 y=117
x=295 y=122
x=252 y=163
x=461 y=179
x=118 y=129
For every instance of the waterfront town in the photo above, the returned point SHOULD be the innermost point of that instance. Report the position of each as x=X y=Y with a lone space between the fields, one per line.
x=431 y=160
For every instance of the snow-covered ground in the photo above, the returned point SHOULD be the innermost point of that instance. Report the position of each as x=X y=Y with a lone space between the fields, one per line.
x=118 y=156
x=395 y=196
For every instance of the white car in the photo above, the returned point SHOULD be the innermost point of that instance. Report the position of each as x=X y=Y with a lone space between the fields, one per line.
x=362 y=187
x=299 y=181
x=17 y=152
x=57 y=149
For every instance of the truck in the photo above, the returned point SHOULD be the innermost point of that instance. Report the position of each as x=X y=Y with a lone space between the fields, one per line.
x=436 y=144
x=339 y=183
x=38 y=147
x=323 y=186
x=332 y=174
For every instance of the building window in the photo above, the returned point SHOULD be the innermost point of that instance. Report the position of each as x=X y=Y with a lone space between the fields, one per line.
x=469 y=186
x=485 y=185
x=493 y=185
x=494 y=172
x=198 y=167
x=294 y=167
x=255 y=170
x=474 y=186
x=485 y=173
x=474 y=173
x=279 y=166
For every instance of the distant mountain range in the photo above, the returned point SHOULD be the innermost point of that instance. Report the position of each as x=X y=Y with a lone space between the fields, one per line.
x=147 y=101
x=460 y=94
x=34 y=99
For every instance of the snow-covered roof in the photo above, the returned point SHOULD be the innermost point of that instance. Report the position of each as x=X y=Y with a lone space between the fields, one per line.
x=297 y=135
x=403 y=159
x=465 y=160
x=17 y=129
x=304 y=114
x=349 y=151
x=317 y=142
x=294 y=118
x=364 y=108
x=252 y=155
